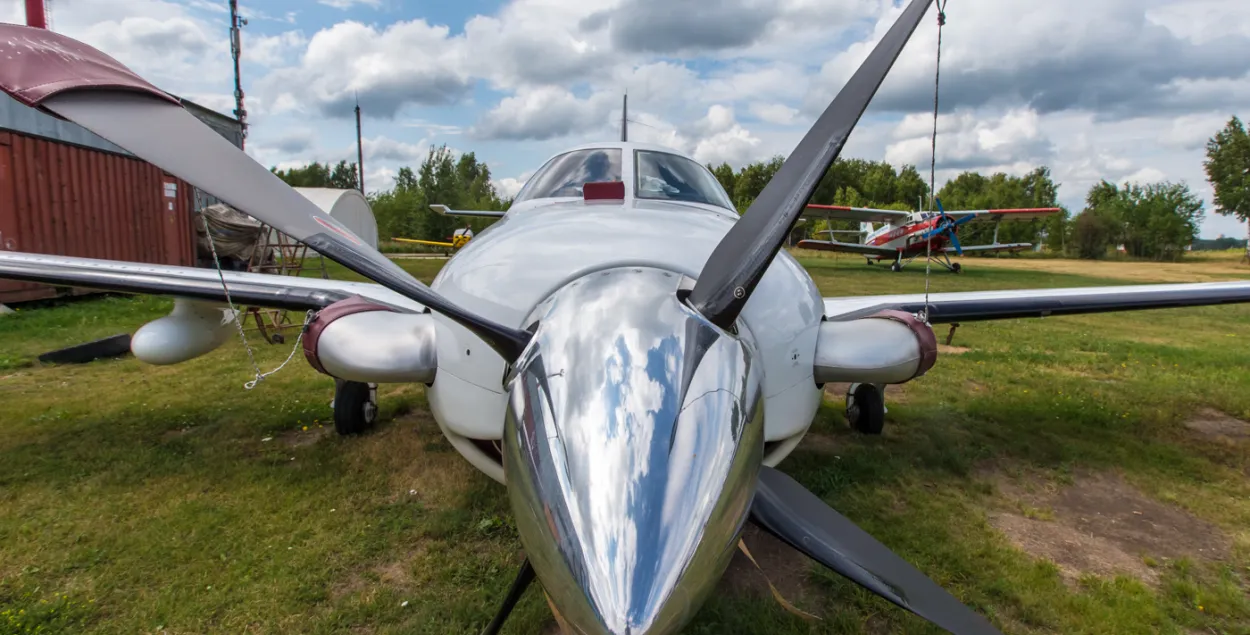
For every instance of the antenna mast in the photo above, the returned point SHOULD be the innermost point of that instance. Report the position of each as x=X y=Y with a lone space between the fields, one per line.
x=624 y=118
x=360 y=149
x=236 y=50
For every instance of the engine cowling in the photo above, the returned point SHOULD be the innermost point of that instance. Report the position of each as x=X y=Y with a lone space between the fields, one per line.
x=890 y=347
x=358 y=340
x=192 y=329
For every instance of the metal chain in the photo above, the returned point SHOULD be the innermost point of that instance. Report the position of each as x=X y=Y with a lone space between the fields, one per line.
x=259 y=376
x=937 y=77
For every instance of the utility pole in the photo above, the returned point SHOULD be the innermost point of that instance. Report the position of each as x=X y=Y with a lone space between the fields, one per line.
x=360 y=148
x=236 y=49
x=624 y=117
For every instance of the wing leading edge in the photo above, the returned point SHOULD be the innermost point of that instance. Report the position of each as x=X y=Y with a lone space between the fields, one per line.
x=974 y=306
x=280 y=292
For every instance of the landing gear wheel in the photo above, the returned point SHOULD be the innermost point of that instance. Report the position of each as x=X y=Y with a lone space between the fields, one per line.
x=868 y=262
x=897 y=266
x=355 y=407
x=865 y=408
x=956 y=268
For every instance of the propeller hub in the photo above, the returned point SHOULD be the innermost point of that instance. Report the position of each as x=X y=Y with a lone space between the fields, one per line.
x=632 y=447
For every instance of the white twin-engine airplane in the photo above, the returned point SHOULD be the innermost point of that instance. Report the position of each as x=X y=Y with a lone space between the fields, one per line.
x=624 y=352
x=905 y=236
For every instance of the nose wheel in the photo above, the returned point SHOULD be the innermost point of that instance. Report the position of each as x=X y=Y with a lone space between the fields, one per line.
x=355 y=406
x=865 y=408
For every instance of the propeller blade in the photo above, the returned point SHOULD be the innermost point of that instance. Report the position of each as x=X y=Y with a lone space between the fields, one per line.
x=523 y=579
x=79 y=83
x=798 y=517
x=950 y=231
x=168 y=136
x=739 y=261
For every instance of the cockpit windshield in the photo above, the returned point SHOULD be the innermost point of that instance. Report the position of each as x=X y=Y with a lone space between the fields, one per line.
x=565 y=175
x=666 y=176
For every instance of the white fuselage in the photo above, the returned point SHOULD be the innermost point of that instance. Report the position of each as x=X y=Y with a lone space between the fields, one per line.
x=543 y=245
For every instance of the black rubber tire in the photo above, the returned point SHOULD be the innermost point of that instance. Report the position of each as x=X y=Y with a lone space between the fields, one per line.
x=896 y=267
x=956 y=267
x=865 y=409
x=354 y=408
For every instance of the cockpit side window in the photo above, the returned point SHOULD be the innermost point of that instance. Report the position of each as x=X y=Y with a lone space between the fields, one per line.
x=564 y=175
x=666 y=176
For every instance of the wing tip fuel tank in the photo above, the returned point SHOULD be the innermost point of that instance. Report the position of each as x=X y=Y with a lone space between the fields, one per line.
x=890 y=347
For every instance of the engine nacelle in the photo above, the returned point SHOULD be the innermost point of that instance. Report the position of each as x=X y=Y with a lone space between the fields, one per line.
x=890 y=347
x=192 y=329
x=357 y=340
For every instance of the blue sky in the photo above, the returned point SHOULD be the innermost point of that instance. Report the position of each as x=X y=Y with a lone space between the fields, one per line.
x=1119 y=89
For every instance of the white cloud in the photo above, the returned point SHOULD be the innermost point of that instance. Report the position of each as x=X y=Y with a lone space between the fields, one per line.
x=779 y=114
x=543 y=113
x=273 y=50
x=387 y=149
x=347 y=4
x=404 y=63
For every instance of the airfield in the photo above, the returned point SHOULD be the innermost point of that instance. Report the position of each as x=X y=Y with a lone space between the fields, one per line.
x=1084 y=474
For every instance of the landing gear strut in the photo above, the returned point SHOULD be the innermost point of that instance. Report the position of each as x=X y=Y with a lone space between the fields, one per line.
x=865 y=408
x=355 y=406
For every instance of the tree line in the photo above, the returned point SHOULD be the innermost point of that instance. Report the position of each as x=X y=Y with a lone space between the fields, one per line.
x=1157 y=221
x=403 y=210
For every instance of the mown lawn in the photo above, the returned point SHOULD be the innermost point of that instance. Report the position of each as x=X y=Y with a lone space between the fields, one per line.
x=136 y=499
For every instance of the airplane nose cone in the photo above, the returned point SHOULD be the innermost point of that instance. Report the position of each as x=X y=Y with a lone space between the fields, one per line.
x=632 y=445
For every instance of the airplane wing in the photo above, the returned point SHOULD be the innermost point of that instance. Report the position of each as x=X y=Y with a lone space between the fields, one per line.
x=1025 y=213
x=246 y=289
x=972 y=306
x=861 y=214
x=447 y=211
x=989 y=248
x=853 y=248
x=422 y=242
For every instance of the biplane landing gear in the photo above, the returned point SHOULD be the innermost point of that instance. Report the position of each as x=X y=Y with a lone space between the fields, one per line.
x=355 y=406
x=865 y=408
x=956 y=268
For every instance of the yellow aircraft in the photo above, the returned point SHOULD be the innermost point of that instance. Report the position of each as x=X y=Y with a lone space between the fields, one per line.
x=459 y=239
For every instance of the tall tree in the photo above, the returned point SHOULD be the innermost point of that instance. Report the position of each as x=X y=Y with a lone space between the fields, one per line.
x=1228 y=170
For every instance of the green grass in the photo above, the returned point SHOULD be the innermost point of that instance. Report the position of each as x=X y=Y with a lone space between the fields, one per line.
x=137 y=499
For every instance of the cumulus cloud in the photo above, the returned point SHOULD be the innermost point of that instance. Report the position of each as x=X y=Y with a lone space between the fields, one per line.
x=543 y=113
x=776 y=113
x=968 y=141
x=1067 y=54
x=388 y=149
x=404 y=63
x=673 y=26
x=273 y=50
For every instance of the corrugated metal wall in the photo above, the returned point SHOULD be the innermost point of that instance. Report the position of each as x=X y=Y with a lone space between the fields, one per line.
x=58 y=198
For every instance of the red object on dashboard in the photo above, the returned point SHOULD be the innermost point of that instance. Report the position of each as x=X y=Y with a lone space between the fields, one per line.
x=606 y=190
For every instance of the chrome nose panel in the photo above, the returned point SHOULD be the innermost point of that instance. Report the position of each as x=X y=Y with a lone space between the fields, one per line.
x=632 y=445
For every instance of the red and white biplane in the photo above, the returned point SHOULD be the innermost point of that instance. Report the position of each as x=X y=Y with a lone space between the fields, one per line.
x=904 y=236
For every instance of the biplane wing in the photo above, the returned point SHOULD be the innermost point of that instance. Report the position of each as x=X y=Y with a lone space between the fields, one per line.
x=971 y=306
x=861 y=214
x=983 y=249
x=415 y=241
x=447 y=211
x=1024 y=213
x=852 y=248
x=255 y=289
